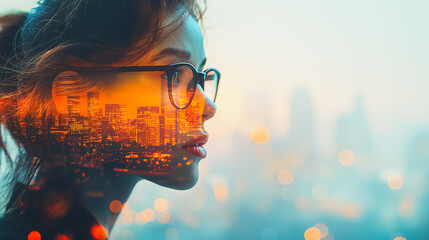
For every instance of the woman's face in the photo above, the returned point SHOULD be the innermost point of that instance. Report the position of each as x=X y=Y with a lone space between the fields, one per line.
x=132 y=127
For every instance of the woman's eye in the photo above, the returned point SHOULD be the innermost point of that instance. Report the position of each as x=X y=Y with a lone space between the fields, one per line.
x=176 y=75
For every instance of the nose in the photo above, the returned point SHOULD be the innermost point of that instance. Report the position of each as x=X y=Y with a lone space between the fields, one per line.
x=209 y=109
x=209 y=106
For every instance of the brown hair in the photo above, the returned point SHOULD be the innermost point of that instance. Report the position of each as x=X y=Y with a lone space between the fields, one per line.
x=36 y=46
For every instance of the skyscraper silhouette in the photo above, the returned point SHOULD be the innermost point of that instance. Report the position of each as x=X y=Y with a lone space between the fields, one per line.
x=352 y=131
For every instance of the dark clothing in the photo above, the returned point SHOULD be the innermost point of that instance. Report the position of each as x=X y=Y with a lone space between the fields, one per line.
x=51 y=213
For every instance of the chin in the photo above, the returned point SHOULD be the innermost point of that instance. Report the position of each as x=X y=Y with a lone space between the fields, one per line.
x=181 y=178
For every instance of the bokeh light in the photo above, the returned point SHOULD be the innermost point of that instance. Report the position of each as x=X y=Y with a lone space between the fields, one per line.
x=285 y=177
x=163 y=218
x=399 y=238
x=160 y=205
x=115 y=206
x=260 y=134
x=127 y=217
x=312 y=234
x=220 y=190
x=346 y=157
x=148 y=215
x=323 y=229
x=99 y=232
x=34 y=235
x=61 y=237
x=395 y=181
x=139 y=219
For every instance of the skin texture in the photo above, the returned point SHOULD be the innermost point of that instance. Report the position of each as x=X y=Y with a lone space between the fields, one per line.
x=145 y=92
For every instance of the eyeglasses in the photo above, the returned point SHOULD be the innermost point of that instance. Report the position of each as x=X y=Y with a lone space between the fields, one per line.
x=182 y=78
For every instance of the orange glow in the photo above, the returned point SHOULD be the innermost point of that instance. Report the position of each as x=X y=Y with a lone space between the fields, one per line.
x=148 y=215
x=115 y=206
x=34 y=235
x=220 y=190
x=399 y=238
x=61 y=237
x=160 y=205
x=322 y=228
x=99 y=232
x=221 y=194
x=285 y=177
x=163 y=218
x=312 y=234
x=395 y=181
x=346 y=157
x=260 y=134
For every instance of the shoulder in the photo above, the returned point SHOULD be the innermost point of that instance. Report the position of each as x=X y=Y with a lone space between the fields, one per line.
x=51 y=213
x=12 y=228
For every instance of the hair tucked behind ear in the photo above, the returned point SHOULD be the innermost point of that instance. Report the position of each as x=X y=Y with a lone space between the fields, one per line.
x=37 y=46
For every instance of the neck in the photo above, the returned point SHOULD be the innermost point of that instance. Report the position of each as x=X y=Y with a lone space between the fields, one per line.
x=97 y=189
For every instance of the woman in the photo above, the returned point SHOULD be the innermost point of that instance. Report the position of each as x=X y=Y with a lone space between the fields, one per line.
x=97 y=95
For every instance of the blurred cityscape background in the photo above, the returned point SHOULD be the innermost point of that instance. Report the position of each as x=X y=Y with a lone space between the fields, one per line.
x=322 y=128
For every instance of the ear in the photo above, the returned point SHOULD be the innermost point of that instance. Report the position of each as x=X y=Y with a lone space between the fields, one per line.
x=65 y=84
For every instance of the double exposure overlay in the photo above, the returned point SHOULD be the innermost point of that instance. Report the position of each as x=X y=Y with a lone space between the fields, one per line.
x=131 y=127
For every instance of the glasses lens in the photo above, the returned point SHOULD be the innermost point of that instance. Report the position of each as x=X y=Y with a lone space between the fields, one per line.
x=211 y=84
x=182 y=85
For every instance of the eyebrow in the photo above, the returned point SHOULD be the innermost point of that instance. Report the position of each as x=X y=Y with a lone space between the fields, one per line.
x=180 y=53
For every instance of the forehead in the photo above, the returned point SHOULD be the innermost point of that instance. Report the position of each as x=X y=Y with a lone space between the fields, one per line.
x=187 y=37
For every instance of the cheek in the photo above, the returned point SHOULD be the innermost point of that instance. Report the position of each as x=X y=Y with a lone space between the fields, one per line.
x=134 y=90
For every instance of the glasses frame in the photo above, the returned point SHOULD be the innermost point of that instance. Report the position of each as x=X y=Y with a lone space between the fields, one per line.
x=199 y=77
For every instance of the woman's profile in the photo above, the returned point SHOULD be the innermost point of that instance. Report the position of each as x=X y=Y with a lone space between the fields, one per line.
x=95 y=96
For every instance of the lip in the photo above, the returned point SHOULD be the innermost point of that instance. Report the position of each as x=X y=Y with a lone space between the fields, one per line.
x=195 y=146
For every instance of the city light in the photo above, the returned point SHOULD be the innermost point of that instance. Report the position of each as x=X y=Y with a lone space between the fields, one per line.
x=285 y=177
x=34 y=235
x=346 y=157
x=115 y=206
x=312 y=234
x=395 y=181
x=160 y=205
x=260 y=134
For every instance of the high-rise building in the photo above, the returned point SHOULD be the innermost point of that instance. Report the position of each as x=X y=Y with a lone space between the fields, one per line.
x=73 y=106
x=95 y=113
x=353 y=132
x=116 y=115
x=168 y=121
x=148 y=130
